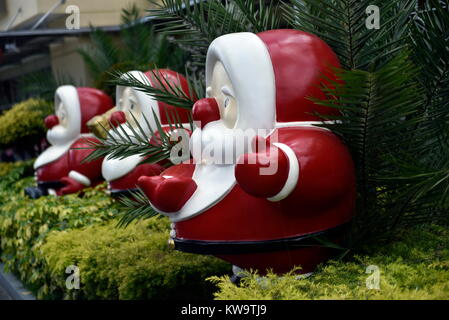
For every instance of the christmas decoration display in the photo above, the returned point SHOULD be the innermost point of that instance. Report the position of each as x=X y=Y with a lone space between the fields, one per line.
x=244 y=212
x=140 y=110
x=60 y=168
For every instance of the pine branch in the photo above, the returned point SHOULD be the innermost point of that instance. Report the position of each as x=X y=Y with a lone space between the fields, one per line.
x=136 y=207
x=119 y=144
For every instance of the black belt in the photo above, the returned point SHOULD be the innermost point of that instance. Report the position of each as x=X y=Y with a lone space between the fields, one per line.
x=123 y=193
x=50 y=185
x=240 y=247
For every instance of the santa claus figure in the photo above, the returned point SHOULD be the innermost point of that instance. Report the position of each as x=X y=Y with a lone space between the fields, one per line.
x=141 y=111
x=289 y=185
x=60 y=168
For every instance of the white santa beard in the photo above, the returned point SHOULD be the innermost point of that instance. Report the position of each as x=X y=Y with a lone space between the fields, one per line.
x=220 y=145
x=61 y=139
x=60 y=135
x=214 y=180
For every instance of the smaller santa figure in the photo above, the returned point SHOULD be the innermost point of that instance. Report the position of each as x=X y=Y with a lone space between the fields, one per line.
x=60 y=169
x=141 y=111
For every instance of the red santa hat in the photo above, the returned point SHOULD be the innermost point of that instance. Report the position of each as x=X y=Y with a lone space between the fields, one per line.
x=273 y=74
x=167 y=78
x=82 y=104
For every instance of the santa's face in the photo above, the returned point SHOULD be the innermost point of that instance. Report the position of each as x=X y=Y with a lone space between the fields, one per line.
x=129 y=113
x=129 y=104
x=67 y=127
x=222 y=90
x=61 y=113
x=220 y=142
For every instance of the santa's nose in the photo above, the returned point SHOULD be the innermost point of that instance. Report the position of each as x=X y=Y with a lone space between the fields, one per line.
x=51 y=121
x=117 y=118
x=205 y=111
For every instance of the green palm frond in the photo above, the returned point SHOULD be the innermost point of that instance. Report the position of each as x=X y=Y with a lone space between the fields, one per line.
x=430 y=43
x=162 y=90
x=378 y=120
x=137 y=48
x=342 y=24
x=43 y=84
x=195 y=24
x=120 y=144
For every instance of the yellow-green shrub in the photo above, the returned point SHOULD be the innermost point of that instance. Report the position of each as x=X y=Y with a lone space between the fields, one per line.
x=131 y=263
x=6 y=168
x=24 y=222
x=40 y=238
x=417 y=267
x=24 y=120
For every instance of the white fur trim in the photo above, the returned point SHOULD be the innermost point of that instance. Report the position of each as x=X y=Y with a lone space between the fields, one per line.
x=148 y=103
x=247 y=62
x=305 y=124
x=51 y=154
x=204 y=197
x=80 y=178
x=293 y=173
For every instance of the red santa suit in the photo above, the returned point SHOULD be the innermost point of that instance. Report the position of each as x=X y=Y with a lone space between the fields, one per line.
x=238 y=212
x=60 y=168
x=122 y=174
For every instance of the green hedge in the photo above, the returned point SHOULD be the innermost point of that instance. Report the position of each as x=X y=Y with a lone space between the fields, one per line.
x=131 y=263
x=416 y=267
x=23 y=121
x=39 y=238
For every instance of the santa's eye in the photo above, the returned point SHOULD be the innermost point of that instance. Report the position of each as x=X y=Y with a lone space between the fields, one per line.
x=132 y=106
x=226 y=102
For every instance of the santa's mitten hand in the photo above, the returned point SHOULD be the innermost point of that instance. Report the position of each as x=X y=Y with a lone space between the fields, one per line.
x=263 y=174
x=167 y=194
x=71 y=186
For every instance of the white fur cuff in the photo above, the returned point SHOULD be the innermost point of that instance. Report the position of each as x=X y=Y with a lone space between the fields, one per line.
x=293 y=173
x=80 y=178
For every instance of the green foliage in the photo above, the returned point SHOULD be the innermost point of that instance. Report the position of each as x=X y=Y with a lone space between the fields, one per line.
x=40 y=238
x=341 y=23
x=138 y=48
x=378 y=121
x=195 y=24
x=42 y=84
x=10 y=173
x=24 y=121
x=122 y=144
x=13 y=171
x=24 y=224
x=131 y=263
x=417 y=267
